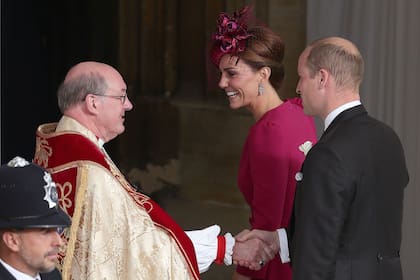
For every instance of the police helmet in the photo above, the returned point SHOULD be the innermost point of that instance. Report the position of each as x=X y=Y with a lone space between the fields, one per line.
x=28 y=197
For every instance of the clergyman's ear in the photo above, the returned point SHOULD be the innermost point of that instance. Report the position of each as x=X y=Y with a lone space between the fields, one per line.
x=90 y=102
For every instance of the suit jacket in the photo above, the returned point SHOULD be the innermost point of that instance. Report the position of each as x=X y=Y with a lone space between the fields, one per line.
x=5 y=274
x=348 y=206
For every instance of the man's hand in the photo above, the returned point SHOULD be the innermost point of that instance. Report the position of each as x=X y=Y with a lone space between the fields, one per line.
x=270 y=238
x=255 y=248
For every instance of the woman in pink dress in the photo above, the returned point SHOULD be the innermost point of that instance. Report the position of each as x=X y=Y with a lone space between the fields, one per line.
x=250 y=59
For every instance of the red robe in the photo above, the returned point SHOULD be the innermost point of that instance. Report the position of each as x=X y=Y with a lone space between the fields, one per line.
x=64 y=154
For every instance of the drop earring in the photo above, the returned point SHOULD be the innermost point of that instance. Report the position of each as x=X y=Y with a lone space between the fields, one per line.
x=260 y=89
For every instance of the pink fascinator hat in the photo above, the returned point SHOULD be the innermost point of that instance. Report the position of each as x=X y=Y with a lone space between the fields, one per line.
x=231 y=34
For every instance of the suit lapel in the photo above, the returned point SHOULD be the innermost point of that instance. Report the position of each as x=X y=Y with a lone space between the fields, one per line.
x=4 y=274
x=53 y=275
x=343 y=116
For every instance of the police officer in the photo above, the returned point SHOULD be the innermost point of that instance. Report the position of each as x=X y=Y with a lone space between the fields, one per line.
x=30 y=222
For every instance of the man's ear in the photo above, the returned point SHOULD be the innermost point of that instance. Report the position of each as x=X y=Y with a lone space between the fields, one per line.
x=323 y=77
x=91 y=103
x=11 y=240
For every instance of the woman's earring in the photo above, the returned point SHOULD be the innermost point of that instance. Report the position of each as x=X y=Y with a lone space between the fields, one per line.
x=260 y=89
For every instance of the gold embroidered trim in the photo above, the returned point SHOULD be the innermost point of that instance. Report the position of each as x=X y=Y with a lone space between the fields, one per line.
x=42 y=152
x=81 y=183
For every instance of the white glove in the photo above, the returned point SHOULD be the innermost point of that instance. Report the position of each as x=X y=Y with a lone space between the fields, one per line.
x=206 y=242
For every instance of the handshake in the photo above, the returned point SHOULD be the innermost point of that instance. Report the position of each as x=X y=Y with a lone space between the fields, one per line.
x=252 y=249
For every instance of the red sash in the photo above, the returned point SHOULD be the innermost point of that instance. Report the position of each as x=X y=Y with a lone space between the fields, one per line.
x=62 y=153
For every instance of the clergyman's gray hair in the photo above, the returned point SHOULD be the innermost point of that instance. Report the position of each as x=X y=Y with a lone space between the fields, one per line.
x=75 y=90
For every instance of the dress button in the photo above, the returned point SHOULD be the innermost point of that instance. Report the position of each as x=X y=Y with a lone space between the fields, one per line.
x=379 y=257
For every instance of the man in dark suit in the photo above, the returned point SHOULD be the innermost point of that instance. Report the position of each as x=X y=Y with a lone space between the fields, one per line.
x=30 y=222
x=349 y=198
x=349 y=195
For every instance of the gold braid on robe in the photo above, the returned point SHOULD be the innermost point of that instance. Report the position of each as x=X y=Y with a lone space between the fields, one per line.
x=116 y=232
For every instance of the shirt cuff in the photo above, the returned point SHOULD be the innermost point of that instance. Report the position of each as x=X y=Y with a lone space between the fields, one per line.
x=230 y=242
x=284 y=245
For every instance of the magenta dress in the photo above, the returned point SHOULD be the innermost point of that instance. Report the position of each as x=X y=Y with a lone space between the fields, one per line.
x=269 y=163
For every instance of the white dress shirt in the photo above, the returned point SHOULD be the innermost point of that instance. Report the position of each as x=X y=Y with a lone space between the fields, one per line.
x=332 y=115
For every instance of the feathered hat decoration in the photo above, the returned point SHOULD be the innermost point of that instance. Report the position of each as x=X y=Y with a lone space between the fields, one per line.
x=231 y=34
